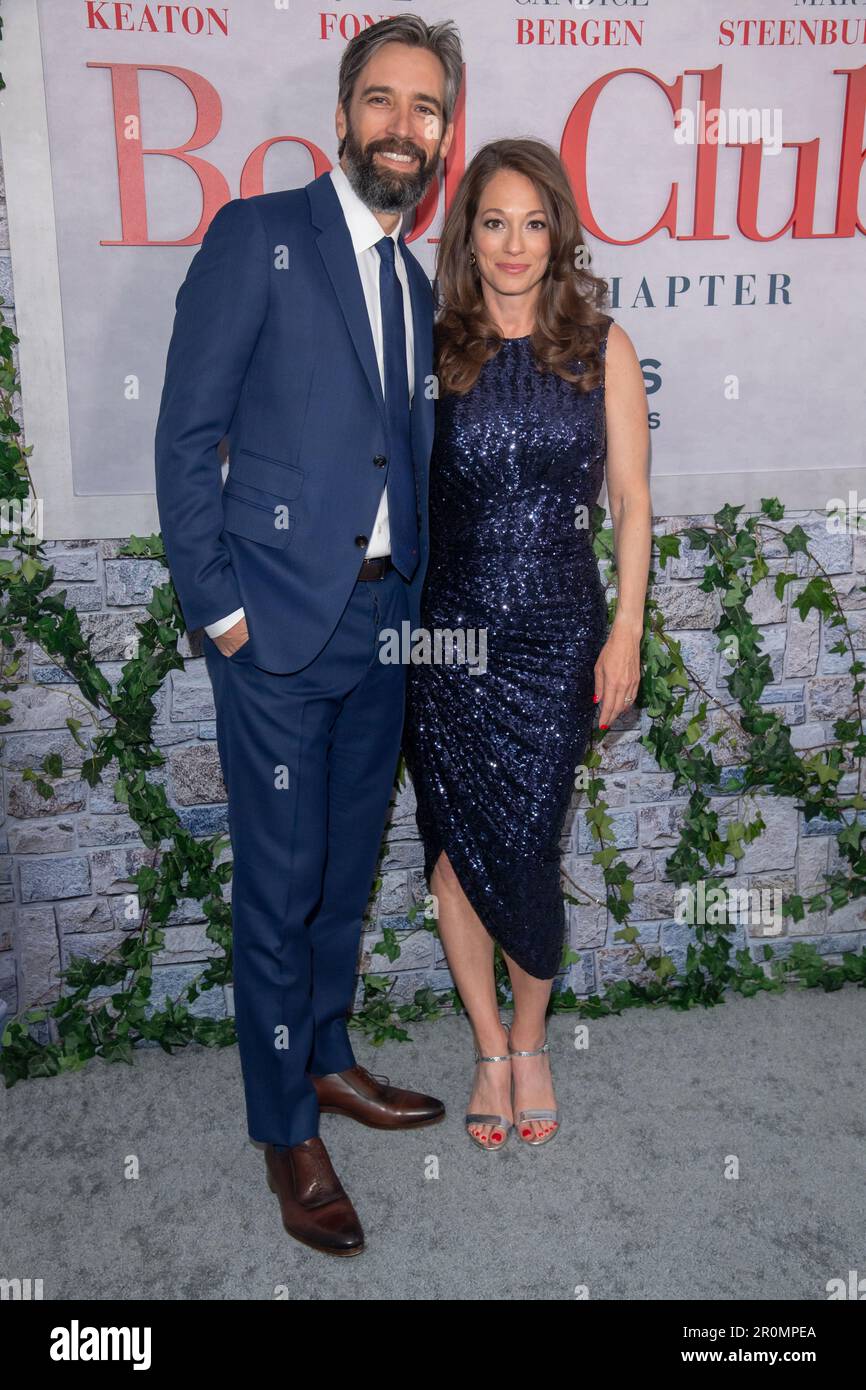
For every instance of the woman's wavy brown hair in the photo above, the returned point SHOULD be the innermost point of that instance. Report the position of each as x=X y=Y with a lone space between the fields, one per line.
x=569 y=321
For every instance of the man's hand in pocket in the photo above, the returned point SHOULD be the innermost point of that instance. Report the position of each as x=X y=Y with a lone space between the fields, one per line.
x=229 y=642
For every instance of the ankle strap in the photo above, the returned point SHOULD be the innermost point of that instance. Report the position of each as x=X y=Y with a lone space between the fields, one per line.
x=536 y=1052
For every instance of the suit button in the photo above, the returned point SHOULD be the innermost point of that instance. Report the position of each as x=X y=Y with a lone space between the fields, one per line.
x=362 y=540
x=380 y=460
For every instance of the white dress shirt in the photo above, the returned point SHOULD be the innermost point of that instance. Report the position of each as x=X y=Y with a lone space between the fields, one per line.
x=365 y=231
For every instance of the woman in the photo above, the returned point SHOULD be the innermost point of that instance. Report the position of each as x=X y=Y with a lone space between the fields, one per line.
x=535 y=384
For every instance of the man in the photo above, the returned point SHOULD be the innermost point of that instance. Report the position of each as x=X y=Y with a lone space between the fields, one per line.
x=303 y=335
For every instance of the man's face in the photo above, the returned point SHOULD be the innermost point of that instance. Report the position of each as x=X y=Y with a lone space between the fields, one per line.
x=394 y=127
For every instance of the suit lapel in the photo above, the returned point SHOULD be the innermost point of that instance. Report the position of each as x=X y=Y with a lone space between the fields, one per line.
x=338 y=254
x=422 y=327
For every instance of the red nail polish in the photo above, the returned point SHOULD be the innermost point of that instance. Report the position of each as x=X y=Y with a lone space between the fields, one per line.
x=595 y=699
x=604 y=726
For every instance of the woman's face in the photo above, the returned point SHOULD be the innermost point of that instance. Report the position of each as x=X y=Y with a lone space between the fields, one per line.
x=510 y=234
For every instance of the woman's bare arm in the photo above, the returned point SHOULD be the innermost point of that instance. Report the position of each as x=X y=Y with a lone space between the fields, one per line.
x=630 y=505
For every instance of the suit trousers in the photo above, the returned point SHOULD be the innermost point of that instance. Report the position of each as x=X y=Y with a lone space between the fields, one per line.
x=308 y=759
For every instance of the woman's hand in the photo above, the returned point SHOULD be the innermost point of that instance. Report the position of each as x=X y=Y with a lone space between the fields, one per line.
x=617 y=671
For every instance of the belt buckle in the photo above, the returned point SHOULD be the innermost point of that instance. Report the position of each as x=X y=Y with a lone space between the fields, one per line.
x=377 y=565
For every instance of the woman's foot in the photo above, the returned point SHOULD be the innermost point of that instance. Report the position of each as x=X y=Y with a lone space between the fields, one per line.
x=533 y=1084
x=491 y=1093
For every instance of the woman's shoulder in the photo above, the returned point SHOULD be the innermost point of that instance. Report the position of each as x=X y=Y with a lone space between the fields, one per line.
x=616 y=338
x=618 y=346
x=623 y=373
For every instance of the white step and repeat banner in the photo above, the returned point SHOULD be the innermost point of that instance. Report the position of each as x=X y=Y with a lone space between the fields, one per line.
x=715 y=150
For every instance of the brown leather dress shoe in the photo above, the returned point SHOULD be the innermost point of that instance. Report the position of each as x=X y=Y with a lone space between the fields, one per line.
x=316 y=1209
x=370 y=1099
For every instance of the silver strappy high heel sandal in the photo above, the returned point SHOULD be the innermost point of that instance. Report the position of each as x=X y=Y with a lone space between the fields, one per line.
x=472 y=1118
x=537 y=1114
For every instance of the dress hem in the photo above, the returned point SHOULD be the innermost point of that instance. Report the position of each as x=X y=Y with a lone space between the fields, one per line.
x=443 y=847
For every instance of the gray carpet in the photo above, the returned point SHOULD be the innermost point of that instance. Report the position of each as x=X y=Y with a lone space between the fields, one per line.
x=629 y=1202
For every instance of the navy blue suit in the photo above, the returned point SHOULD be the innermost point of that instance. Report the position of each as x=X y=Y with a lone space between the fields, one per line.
x=272 y=351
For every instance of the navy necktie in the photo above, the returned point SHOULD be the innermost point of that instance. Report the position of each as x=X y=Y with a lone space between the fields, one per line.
x=402 y=499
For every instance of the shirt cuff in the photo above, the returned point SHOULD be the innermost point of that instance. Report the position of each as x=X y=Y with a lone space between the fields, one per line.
x=223 y=624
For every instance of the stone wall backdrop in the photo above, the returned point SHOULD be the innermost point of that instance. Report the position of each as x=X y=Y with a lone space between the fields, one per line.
x=65 y=863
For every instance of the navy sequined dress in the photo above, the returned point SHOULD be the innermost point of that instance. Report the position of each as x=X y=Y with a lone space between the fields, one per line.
x=492 y=741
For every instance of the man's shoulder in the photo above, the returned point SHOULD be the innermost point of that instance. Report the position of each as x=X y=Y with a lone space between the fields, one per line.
x=246 y=217
x=284 y=202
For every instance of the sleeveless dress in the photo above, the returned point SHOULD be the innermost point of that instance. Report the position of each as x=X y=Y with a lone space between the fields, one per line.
x=492 y=741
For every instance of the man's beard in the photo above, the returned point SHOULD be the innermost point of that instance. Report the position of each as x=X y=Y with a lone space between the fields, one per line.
x=375 y=186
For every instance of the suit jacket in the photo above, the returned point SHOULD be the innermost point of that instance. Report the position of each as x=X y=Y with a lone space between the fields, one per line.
x=272 y=351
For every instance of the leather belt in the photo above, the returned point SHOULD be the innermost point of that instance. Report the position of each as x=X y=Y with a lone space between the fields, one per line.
x=376 y=568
